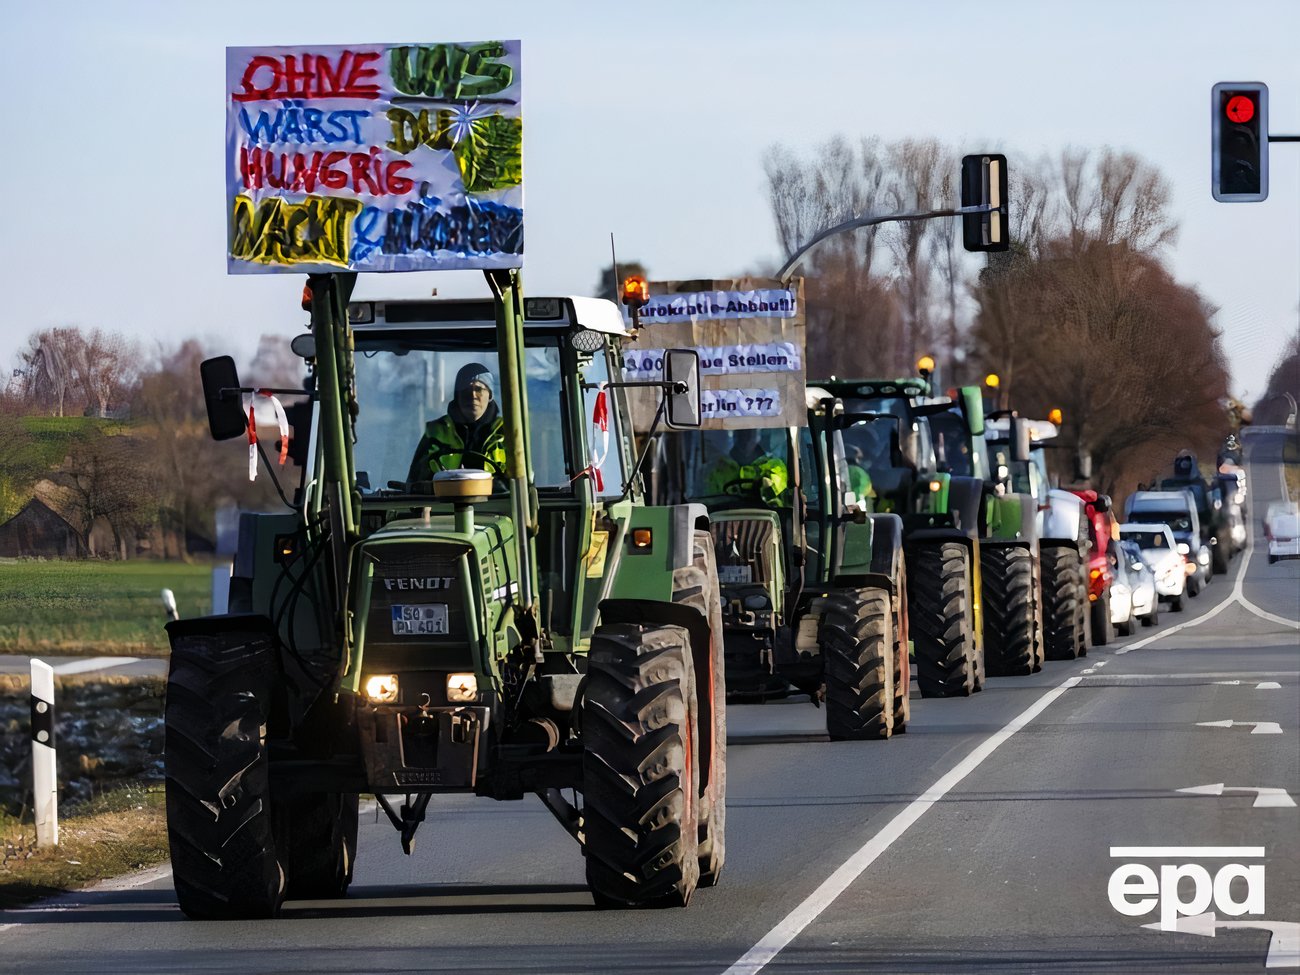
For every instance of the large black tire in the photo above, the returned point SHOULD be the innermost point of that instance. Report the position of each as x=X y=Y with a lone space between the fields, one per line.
x=1010 y=610
x=856 y=634
x=640 y=775
x=1063 y=611
x=1103 y=630
x=317 y=839
x=940 y=611
x=697 y=585
x=219 y=820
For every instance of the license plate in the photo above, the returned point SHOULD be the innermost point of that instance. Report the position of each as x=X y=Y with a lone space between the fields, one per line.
x=421 y=619
x=735 y=574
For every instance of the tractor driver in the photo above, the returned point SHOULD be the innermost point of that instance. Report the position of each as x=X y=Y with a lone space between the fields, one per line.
x=749 y=465
x=471 y=434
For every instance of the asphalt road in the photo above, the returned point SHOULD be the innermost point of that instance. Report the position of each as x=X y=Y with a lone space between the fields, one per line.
x=981 y=841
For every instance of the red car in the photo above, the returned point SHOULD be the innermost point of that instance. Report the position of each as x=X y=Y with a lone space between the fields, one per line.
x=1103 y=530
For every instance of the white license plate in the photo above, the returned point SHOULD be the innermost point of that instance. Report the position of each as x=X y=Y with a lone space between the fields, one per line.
x=734 y=574
x=420 y=619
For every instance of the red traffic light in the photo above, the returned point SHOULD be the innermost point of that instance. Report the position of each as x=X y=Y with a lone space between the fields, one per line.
x=1240 y=109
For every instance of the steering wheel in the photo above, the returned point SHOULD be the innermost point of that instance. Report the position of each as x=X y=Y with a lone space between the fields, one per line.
x=495 y=468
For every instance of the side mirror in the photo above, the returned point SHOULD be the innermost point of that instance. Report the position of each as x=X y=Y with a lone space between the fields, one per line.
x=226 y=418
x=304 y=346
x=682 y=372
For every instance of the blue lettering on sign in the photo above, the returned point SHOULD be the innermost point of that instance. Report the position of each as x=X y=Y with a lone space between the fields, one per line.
x=467 y=230
x=293 y=122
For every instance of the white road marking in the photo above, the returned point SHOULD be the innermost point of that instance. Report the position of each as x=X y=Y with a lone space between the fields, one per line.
x=93 y=663
x=1234 y=683
x=771 y=944
x=1268 y=685
x=1259 y=727
x=1283 y=947
x=1266 y=797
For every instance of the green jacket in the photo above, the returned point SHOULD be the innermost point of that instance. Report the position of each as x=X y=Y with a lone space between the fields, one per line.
x=770 y=474
x=443 y=447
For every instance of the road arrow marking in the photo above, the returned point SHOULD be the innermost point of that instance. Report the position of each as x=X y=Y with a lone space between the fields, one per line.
x=1283 y=949
x=1266 y=797
x=1268 y=685
x=1260 y=727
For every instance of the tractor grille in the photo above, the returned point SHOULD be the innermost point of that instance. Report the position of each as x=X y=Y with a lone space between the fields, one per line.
x=744 y=542
x=420 y=580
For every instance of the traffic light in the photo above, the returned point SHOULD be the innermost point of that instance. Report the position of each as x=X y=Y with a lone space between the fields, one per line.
x=1239 y=137
x=984 y=183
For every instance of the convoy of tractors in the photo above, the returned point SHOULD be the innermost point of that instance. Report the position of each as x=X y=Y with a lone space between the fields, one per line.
x=491 y=579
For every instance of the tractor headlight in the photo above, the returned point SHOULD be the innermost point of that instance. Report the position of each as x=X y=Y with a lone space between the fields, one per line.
x=381 y=688
x=462 y=688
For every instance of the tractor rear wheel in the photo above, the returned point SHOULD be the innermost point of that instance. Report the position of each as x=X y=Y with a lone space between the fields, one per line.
x=317 y=838
x=640 y=775
x=1010 y=610
x=1063 y=611
x=696 y=585
x=219 y=829
x=940 y=610
x=856 y=635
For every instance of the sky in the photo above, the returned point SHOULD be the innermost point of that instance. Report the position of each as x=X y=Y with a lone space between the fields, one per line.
x=647 y=120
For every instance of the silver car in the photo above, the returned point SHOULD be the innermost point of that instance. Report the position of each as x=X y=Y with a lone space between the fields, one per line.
x=1132 y=569
x=1170 y=567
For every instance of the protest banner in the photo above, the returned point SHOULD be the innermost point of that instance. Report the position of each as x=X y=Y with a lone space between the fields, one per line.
x=750 y=336
x=374 y=157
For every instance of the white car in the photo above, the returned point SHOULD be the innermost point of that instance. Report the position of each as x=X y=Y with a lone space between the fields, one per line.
x=1137 y=576
x=1168 y=565
x=1282 y=526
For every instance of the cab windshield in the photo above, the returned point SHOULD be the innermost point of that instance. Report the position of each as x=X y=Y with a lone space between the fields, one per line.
x=411 y=421
x=1178 y=522
x=708 y=465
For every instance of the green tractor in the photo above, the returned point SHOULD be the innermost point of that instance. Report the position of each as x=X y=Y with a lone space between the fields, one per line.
x=516 y=622
x=941 y=512
x=1009 y=551
x=813 y=583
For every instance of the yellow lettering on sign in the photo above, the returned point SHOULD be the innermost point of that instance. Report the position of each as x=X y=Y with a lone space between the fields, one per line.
x=596 y=554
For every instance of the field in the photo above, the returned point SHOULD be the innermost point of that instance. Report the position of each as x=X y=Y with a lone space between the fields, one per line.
x=93 y=607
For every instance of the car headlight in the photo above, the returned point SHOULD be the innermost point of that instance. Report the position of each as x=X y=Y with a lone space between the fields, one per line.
x=381 y=688
x=1184 y=549
x=462 y=688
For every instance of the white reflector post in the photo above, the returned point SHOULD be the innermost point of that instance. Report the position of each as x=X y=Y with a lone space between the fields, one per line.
x=45 y=783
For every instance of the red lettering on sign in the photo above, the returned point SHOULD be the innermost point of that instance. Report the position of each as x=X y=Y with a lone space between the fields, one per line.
x=309 y=76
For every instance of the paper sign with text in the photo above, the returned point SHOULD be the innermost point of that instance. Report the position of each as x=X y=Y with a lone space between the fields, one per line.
x=374 y=157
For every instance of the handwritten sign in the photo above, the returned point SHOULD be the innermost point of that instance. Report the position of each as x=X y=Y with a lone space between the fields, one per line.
x=374 y=157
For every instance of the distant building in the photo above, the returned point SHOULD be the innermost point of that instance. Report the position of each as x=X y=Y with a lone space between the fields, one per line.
x=39 y=531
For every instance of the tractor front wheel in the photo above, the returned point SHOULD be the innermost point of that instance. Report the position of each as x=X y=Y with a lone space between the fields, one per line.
x=1063 y=610
x=218 y=790
x=640 y=774
x=940 y=611
x=1010 y=609
x=856 y=635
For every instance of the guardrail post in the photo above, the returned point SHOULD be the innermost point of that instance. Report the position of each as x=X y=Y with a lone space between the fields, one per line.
x=45 y=782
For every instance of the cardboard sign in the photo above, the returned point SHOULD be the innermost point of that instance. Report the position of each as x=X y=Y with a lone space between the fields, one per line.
x=750 y=336
x=374 y=157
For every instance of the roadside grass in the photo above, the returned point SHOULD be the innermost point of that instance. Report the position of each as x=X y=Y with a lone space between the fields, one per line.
x=95 y=607
x=119 y=831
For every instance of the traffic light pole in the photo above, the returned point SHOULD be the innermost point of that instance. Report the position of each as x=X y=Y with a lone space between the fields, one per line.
x=872 y=220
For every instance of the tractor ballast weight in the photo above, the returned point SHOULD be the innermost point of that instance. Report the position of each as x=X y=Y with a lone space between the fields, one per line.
x=534 y=628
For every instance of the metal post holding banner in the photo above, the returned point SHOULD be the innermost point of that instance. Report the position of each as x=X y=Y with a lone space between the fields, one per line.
x=45 y=783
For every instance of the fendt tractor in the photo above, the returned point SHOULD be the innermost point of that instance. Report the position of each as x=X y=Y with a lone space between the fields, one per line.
x=813 y=583
x=516 y=622
x=1018 y=444
x=891 y=439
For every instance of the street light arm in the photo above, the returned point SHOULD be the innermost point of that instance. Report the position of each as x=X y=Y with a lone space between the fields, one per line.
x=872 y=220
